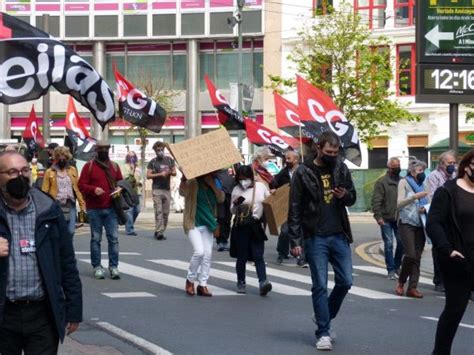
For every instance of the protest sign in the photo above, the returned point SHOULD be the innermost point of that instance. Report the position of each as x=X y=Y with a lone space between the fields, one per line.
x=275 y=208
x=208 y=152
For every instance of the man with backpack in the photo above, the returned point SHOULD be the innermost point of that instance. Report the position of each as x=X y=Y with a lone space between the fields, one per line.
x=98 y=184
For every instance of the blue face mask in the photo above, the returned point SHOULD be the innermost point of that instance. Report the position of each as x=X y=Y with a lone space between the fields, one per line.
x=450 y=169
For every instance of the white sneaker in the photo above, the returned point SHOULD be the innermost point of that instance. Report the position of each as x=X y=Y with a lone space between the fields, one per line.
x=324 y=343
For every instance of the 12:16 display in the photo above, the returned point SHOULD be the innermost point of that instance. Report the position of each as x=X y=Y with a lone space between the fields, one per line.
x=447 y=79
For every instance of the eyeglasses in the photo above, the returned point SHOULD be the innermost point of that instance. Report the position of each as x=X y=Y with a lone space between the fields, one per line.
x=13 y=173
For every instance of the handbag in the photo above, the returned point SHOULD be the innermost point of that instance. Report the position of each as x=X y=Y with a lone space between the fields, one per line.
x=82 y=217
x=244 y=215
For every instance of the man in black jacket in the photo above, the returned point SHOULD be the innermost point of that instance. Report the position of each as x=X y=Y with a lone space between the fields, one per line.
x=40 y=289
x=320 y=191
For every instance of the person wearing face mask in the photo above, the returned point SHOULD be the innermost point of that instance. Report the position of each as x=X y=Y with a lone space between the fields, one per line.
x=292 y=161
x=61 y=182
x=133 y=175
x=98 y=184
x=248 y=241
x=40 y=288
x=321 y=188
x=384 y=206
x=259 y=162
x=450 y=226
x=412 y=197
x=160 y=170
x=444 y=172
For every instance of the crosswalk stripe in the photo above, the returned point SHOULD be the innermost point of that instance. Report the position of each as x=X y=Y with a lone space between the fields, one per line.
x=106 y=253
x=161 y=277
x=127 y=294
x=355 y=290
x=229 y=276
x=464 y=325
x=381 y=271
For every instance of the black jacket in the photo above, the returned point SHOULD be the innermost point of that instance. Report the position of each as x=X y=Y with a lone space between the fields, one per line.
x=443 y=226
x=282 y=178
x=56 y=261
x=306 y=194
x=384 y=199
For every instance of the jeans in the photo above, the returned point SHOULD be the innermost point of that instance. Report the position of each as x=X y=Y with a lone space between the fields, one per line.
x=200 y=265
x=98 y=219
x=389 y=230
x=72 y=220
x=321 y=250
x=132 y=214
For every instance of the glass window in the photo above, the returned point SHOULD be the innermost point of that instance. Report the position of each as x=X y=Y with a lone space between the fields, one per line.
x=206 y=63
x=119 y=60
x=378 y=158
x=321 y=7
x=258 y=70
x=251 y=21
x=106 y=26
x=24 y=18
x=179 y=72
x=406 y=69
x=134 y=25
x=53 y=24
x=405 y=11
x=77 y=26
x=219 y=23
x=371 y=12
x=421 y=153
x=192 y=24
x=150 y=69
x=164 y=25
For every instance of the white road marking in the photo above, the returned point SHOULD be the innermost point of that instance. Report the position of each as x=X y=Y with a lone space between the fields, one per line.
x=381 y=271
x=142 y=343
x=105 y=253
x=355 y=290
x=127 y=294
x=230 y=276
x=162 y=278
x=460 y=324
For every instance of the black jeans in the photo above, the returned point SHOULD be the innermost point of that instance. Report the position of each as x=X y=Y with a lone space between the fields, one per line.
x=249 y=248
x=437 y=273
x=29 y=328
x=283 y=245
x=458 y=285
x=224 y=217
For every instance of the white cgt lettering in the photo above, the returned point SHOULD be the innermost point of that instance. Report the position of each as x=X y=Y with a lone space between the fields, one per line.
x=314 y=105
x=74 y=127
x=293 y=118
x=220 y=97
x=270 y=139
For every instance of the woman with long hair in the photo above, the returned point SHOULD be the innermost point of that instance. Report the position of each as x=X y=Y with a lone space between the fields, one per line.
x=248 y=233
x=411 y=202
x=450 y=227
x=61 y=182
x=200 y=222
x=132 y=174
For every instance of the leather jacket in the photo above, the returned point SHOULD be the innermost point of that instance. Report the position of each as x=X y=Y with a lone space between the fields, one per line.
x=306 y=194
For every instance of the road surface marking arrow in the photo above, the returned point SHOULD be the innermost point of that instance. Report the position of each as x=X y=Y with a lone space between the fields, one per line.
x=434 y=36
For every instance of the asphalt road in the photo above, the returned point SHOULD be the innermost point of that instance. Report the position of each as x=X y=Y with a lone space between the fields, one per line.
x=147 y=310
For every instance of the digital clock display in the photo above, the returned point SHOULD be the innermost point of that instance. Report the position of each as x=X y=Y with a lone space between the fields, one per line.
x=440 y=83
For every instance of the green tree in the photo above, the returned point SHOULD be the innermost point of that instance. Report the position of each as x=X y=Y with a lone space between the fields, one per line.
x=339 y=54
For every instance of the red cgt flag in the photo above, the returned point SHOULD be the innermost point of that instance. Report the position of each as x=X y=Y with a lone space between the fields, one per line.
x=288 y=118
x=32 y=135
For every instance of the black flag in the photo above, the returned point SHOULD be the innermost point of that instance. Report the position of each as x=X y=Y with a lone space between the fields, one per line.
x=31 y=61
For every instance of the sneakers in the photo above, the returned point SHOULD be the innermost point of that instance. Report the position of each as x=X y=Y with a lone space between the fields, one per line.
x=392 y=275
x=302 y=263
x=279 y=260
x=439 y=288
x=99 y=273
x=159 y=236
x=241 y=287
x=265 y=287
x=324 y=343
x=114 y=273
x=132 y=233
x=222 y=247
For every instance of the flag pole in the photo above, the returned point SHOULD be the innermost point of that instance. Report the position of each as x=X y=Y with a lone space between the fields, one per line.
x=301 y=141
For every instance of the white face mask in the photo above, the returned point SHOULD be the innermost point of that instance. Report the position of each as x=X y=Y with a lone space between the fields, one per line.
x=245 y=183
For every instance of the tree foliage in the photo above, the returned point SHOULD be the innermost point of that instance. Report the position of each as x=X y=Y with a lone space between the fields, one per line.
x=339 y=54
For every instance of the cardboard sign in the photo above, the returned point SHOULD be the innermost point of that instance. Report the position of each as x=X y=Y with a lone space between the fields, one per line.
x=208 y=152
x=275 y=208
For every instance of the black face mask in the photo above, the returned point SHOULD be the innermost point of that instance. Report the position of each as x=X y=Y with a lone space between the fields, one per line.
x=420 y=177
x=290 y=165
x=329 y=160
x=103 y=156
x=471 y=177
x=18 y=187
x=62 y=164
x=395 y=171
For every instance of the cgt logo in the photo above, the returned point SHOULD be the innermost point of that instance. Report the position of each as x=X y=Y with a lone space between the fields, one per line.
x=28 y=76
x=135 y=98
x=272 y=139
x=335 y=119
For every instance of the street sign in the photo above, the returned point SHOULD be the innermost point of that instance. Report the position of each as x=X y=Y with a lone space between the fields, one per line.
x=445 y=51
x=445 y=31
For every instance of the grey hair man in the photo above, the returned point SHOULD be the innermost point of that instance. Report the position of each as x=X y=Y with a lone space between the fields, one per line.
x=384 y=207
x=444 y=172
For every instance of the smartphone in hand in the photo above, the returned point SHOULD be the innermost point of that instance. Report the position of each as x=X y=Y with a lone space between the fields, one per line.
x=239 y=200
